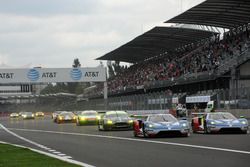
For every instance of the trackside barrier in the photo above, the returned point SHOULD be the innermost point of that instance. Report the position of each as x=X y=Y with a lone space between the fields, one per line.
x=4 y=114
x=145 y=112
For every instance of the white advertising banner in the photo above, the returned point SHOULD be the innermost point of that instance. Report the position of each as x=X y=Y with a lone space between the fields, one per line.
x=197 y=99
x=40 y=75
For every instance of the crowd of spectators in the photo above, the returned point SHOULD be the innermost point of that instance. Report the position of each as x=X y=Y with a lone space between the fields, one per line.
x=203 y=57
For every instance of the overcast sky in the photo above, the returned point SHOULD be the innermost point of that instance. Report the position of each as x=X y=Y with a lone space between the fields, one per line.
x=51 y=33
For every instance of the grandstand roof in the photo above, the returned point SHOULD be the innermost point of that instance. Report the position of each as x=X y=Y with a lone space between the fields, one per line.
x=218 y=13
x=156 y=41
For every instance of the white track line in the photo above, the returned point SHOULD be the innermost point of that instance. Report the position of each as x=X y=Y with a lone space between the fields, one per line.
x=138 y=140
x=63 y=158
x=61 y=154
x=51 y=150
x=67 y=157
x=57 y=152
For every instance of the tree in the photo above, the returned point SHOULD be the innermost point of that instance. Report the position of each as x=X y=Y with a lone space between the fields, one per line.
x=73 y=86
x=76 y=63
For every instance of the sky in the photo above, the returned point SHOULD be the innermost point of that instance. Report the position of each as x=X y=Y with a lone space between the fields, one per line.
x=52 y=33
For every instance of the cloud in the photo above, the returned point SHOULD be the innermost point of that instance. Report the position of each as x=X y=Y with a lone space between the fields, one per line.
x=3 y=58
x=53 y=33
x=47 y=7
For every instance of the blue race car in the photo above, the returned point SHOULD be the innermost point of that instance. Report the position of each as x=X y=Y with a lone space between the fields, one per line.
x=219 y=122
x=160 y=125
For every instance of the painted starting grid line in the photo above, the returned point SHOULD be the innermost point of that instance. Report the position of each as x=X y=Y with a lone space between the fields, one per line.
x=138 y=140
x=57 y=154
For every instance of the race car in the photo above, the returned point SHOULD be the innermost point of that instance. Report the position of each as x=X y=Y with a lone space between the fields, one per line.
x=54 y=115
x=28 y=115
x=14 y=115
x=39 y=114
x=20 y=113
x=223 y=122
x=65 y=116
x=87 y=117
x=160 y=125
x=115 y=120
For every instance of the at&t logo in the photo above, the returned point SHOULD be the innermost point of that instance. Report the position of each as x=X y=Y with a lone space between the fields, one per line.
x=76 y=74
x=33 y=75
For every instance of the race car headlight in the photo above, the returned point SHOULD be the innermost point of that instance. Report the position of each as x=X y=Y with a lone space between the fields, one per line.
x=32 y=115
x=24 y=116
x=109 y=122
x=150 y=125
x=184 y=125
x=74 y=117
x=244 y=122
x=130 y=121
x=82 y=118
x=60 y=118
x=212 y=123
x=98 y=117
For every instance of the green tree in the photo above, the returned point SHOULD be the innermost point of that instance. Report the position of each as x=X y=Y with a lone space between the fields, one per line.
x=76 y=63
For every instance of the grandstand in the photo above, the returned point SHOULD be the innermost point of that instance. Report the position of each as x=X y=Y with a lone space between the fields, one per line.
x=188 y=61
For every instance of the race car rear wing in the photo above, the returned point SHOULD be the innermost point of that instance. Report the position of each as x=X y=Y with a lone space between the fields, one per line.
x=139 y=117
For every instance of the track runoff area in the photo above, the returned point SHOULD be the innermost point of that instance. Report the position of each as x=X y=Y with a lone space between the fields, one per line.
x=87 y=146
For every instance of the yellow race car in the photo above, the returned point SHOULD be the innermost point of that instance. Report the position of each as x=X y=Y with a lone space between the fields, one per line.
x=14 y=115
x=39 y=114
x=87 y=117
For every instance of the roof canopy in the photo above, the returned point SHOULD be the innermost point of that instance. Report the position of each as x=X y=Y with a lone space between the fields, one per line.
x=218 y=13
x=156 y=41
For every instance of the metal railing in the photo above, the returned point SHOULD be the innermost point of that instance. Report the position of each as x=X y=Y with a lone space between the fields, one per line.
x=164 y=100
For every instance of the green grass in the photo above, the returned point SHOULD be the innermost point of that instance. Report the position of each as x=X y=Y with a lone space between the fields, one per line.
x=11 y=156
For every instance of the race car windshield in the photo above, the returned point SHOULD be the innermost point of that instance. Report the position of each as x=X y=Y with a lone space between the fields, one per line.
x=27 y=113
x=221 y=116
x=121 y=115
x=162 y=118
x=89 y=113
x=65 y=114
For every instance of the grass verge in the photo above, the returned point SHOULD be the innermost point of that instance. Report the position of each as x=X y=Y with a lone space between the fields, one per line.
x=12 y=156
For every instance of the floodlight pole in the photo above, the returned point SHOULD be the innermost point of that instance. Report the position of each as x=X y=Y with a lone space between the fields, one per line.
x=105 y=91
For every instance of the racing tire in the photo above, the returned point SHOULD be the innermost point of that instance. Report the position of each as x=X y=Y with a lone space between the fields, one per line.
x=187 y=134
x=206 y=130
x=145 y=135
x=77 y=122
x=135 y=134
x=99 y=128
x=194 y=131
x=245 y=132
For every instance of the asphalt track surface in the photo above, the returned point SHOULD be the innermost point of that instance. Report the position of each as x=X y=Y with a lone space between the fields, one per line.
x=120 y=149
